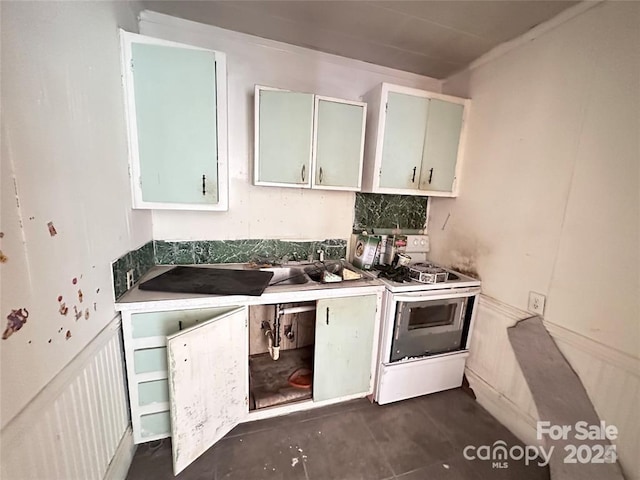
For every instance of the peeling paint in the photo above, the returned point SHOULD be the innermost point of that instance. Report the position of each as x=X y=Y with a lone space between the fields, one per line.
x=15 y=320
x=59 y=298
x=86 y=314
x=74 y=281
x=52 y=229
x=80 y=295
x=68 y=335
x=3 y=257
x=63 y=310
x=78 y=314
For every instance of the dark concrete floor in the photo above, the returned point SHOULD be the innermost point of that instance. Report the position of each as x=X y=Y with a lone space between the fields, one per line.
x=418 y=439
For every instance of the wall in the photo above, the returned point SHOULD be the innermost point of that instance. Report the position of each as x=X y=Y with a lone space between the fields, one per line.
x=64 y=161
x=552 y=185
x=550 y=203
x=268 y=212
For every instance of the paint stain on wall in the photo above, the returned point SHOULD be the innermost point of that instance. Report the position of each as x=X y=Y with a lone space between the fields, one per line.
x=52 y=229
x=67 y=335
x=63 y=309
x=87 y=314
x=78 y=314
x=74 y=281
x=15 y=320
x=464 y=252
x=80 y=296
x=3 y=257
x=1 y=234
x=95 y=307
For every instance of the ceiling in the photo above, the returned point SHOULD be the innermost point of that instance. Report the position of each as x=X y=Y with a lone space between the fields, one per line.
x=433 y=38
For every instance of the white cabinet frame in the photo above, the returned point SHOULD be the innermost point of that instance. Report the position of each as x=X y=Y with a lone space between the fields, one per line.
x=256 y=143
x=377 y=101
x=311 y=183
x=314 y=145
x=126 y=40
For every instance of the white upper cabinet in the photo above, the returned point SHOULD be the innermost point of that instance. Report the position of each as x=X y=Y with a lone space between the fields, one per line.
x=308 y=141
x=338 y=143
x=414 y=142
x=284 y=132
x=176 y=105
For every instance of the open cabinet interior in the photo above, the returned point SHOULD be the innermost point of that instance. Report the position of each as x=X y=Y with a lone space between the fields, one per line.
x=281 y=353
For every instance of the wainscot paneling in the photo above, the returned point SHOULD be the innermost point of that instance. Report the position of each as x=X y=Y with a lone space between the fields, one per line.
x=77 y=427
x=611 y=378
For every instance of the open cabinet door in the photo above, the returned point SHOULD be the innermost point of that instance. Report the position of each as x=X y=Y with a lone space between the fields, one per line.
x=208 y=384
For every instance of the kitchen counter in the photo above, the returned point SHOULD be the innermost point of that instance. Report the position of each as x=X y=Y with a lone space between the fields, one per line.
x=136 y=299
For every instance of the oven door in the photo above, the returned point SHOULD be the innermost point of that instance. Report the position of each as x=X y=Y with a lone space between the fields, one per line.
x=425 y=327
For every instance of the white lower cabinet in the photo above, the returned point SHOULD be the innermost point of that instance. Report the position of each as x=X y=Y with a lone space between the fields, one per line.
x=208 y=388
x=190 y=371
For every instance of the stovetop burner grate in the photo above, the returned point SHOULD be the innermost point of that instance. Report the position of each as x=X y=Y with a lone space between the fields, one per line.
x=400 y=274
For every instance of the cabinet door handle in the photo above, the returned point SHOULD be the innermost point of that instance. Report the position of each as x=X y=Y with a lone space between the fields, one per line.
x=327 y=315
x=320 y=176
x=430 y=175
x=304 y=168
x=413 y=178
x=204 y=186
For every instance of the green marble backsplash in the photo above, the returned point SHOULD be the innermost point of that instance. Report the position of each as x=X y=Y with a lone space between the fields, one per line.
x=240 y=251
x=375 y=210
x=159 y=252
x=140 y=260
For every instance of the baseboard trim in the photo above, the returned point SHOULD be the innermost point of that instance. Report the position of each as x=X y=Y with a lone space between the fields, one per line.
x=121 y=461
x=504 y=410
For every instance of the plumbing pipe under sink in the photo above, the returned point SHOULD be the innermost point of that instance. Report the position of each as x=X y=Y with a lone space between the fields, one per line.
x=273 y=335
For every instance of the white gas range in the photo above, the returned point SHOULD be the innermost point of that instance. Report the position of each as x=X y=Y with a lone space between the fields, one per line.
x=425 y=333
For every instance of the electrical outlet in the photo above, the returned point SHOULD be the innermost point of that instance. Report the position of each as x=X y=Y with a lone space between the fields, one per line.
x=130 y=279
x=536 y=303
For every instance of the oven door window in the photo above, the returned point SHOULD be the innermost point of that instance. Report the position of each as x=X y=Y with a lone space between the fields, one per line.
x=443 y=313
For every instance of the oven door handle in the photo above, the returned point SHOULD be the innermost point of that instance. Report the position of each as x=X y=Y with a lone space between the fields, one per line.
x=444 y=296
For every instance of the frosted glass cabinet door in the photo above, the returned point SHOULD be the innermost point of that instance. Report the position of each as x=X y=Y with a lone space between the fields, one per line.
x=285 y=130
x=404 y=132
x=339 y=141
x=176 y=111
x=441 y=145
x=344 y=346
